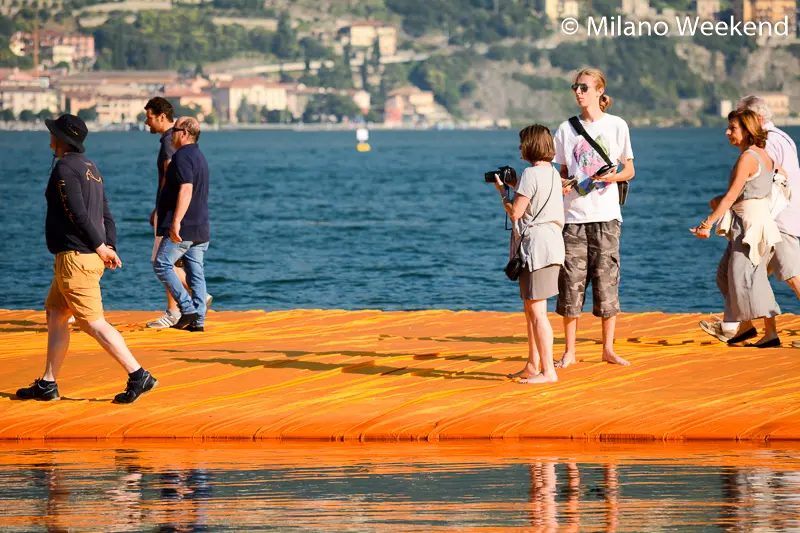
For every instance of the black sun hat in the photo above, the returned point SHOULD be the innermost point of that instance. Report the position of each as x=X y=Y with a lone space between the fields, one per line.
x=69 y=129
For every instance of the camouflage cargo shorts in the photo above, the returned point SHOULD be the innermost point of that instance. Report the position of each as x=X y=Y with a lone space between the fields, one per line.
x=592 y=253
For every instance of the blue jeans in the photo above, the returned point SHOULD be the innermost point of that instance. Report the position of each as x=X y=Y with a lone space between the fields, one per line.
x=192 y=254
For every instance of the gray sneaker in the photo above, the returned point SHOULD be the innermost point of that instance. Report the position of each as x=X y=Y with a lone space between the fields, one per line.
x=209 y=299
x=167 y=320
x=714 y=328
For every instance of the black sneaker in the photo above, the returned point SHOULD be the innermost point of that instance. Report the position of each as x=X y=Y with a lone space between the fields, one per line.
x=194 y=327
x=39 y=391
x=135 y=389
x=185 y=321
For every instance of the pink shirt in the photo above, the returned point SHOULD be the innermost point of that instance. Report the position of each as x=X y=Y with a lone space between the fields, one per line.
x=781 y=148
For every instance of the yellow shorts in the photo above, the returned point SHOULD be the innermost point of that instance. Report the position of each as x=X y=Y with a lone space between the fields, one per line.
x=76 y=286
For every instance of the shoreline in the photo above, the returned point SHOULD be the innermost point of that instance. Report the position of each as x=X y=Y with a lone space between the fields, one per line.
x=314 y=127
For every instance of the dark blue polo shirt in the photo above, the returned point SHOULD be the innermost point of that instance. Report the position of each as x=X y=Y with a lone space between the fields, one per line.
x=188 y=166
x=165 y=152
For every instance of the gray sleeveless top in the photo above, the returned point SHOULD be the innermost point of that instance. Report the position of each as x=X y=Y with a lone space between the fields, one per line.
x=760 y=185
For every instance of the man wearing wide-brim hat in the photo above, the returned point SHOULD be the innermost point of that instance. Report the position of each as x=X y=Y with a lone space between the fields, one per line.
x=82 y=235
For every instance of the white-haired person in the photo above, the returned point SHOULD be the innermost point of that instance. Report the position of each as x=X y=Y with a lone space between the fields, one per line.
x=785 y=261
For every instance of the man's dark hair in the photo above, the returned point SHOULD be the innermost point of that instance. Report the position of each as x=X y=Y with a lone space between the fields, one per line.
x=158 y=105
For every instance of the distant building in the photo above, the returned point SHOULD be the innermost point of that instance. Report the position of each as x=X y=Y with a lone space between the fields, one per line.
x=186 y=97
x=362 y=34
x=14 y=77
x=74 y=47
x=152 y=81
x=72 y=102
x=228 y=96
x=297 y=98
x=120 y=105
x=408 y=104
x=707 y=9
x=725 y=107
x=778 y=103
x=767 y=11
x=559 y=9
x=34 y=99
x=635 y=8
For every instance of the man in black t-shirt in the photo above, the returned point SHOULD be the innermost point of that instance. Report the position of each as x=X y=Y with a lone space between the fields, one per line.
x=81 y=233
x=184 y=225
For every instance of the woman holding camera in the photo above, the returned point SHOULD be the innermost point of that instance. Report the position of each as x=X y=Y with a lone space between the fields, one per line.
x=537 y=214
x=744 y=217
x=592 y=216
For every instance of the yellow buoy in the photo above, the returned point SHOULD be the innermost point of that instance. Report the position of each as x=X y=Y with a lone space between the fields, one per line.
x=362 y=147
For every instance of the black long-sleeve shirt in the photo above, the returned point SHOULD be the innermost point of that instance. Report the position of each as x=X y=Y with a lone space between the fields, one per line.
x=78 y=217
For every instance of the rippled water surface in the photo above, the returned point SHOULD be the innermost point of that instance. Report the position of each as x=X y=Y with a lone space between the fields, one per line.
x=302 y=220
x=477 y=486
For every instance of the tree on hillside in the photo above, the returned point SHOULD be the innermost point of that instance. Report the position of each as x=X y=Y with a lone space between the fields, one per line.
x=339 y=76
x=323 y=106
x=88 y=115
x=285 y=44
x=7 y=115
x=26 y=115
x=313 y=49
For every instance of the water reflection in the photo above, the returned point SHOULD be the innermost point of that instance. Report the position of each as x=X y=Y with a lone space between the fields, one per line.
x=417 y=487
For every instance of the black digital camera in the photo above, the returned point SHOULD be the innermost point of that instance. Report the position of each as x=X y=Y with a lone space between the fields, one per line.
x=507 y=175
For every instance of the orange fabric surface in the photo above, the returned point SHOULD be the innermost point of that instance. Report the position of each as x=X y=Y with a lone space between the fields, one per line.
x=372 y=375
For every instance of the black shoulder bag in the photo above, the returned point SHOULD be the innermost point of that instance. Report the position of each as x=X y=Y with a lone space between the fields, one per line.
x=622 y=186
x=514 y=266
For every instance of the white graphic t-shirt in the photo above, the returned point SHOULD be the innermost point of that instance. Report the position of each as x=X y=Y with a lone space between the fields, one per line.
x=592 y=201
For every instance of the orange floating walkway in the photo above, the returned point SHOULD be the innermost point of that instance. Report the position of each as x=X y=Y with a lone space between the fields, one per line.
x=372 y=375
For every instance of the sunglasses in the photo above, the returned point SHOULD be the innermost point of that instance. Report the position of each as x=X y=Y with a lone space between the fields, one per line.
x=582 y=86
x=178 y=129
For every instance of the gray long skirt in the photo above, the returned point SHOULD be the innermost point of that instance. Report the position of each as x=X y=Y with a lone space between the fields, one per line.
x=745 y=287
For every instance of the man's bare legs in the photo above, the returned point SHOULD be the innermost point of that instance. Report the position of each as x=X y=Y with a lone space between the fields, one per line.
x=103 y=332
x=543 y=332
x=609 y=325
x=112 y=342
x=533 y=364
x=57 y=342
x=570 y=337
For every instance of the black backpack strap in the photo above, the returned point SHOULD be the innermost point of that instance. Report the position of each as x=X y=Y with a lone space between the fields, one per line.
x=579 y=129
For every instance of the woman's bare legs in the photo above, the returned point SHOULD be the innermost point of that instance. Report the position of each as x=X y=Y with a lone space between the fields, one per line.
x=543 y=332
x=533 y=364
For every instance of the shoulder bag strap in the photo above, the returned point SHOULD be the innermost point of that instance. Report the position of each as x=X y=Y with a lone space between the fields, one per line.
x=580 y=130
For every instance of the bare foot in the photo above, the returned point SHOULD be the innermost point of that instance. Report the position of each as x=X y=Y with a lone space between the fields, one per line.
x=540 y=378
x=614 y=359
x=566 y=360
x=525 y=373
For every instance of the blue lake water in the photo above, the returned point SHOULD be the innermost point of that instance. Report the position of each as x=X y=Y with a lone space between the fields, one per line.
x=302 y=220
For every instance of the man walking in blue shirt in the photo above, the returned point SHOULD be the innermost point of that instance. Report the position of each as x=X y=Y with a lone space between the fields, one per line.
x=184 y=223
